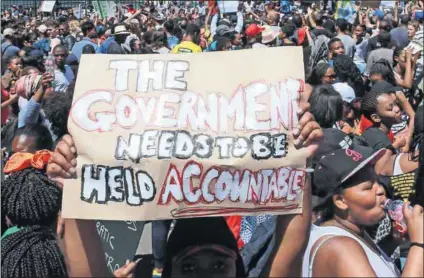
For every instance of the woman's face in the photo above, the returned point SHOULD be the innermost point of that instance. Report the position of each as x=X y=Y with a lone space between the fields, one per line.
x=329 y=77
x=204 y=263
x=388 y=110
x=365 y=200
x=411 y=31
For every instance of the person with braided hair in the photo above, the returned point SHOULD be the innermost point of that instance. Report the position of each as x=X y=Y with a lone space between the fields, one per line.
x=31 y=252
x=29 y=197
x=30 y=203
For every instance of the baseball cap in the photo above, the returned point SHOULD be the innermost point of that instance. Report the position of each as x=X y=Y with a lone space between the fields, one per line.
x=223 y=30
x=332 y=139
x=335 y=168
x=8 y=32
x=253 y=30
x=347 y=92
x=42 y=28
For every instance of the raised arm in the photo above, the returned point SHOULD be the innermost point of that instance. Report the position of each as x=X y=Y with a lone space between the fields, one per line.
x=240 y=21
x=292 y=231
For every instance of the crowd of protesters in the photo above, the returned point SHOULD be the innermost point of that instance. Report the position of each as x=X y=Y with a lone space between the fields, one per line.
x=361 y=116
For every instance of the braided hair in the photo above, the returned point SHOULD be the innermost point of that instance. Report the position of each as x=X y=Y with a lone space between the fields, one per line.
x=347 y=71
x=369 y=103
x=32 y=252
x=29 y=197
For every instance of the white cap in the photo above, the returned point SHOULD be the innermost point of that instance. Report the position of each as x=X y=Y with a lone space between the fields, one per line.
x=8 y=32
x=42 y=28
x=347 y=92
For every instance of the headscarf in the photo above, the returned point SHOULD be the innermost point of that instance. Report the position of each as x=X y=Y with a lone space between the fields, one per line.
x=27 y=85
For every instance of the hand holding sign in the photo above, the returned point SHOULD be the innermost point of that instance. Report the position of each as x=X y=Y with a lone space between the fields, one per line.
x=169 y=152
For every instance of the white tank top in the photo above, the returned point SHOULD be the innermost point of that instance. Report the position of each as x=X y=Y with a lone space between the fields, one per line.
x=397 y=170
x=382 y=265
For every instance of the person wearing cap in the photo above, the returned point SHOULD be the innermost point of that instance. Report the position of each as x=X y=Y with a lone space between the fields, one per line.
x=43 y=43
x=190 y=42
x=89 y=31
x=350 y=201
x=215 y=24
x=118 y=31
x=270 y=35
x=349 y=122
x=8 y=49
x=253 y=34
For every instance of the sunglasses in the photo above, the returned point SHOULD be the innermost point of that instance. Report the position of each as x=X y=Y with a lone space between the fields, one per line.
x=60 y=55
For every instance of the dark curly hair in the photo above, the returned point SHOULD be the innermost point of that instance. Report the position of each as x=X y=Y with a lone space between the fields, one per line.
x=347 y=71
x=57 y=110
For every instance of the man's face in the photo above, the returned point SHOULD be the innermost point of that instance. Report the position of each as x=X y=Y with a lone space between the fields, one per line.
x=15 y=65
x=60 y=56
x=24 y=143
x=359 y=31
x=92 y=33
x=338 y=48
x=63 y=29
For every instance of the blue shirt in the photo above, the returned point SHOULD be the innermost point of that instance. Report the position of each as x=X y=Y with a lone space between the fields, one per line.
x=9 y=50
x=77 y=48
x=42 y=44
x=62 y=80
x=104 y=46
x=173 y=41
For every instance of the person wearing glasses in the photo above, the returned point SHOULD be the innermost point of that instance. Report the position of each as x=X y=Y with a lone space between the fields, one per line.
x=322 y=74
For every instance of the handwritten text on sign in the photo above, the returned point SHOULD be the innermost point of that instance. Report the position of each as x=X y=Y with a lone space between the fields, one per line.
x=157 y=138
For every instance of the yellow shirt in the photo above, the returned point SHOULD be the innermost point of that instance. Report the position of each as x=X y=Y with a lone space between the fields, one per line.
x=186 y=47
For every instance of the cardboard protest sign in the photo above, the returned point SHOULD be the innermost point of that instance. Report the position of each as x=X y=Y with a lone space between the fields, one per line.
x=228 y=6
x=189 y=135
x=120 y=240
x=104 y=8
x=47 y=6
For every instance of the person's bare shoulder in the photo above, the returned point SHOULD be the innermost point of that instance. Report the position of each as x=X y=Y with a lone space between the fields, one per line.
x=342 y=256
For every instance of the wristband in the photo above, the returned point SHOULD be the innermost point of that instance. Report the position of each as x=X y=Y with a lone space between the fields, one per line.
x=417 y=244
